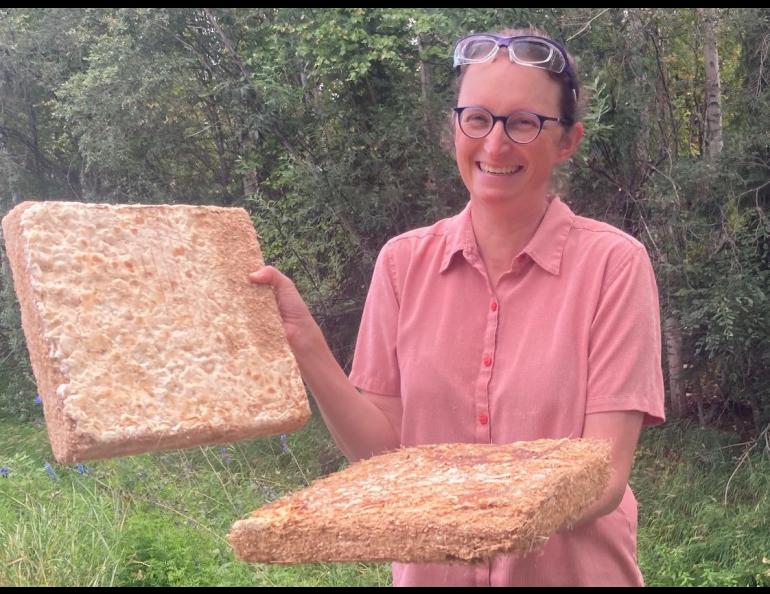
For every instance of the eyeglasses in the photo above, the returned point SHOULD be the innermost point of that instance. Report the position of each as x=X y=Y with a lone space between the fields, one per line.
x=527 y=50
x=521 y=126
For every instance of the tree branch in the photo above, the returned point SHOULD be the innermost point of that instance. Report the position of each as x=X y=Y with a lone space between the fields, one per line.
x=587 y=25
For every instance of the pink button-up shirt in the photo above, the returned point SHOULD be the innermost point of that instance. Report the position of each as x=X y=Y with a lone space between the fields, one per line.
x=572 y=329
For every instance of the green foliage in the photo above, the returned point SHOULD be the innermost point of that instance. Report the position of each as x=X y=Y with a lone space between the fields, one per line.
x=327 y=125
x=703 y=509
x=139 y=114
x=17 y=387
x=12 y=346
x=718 y=271
x=704 y=223
x=53 y=532
x=162 y=519
x=39 y=51
x=154 y=520
x=17 y=393
x=167 y=551
x=363 y=161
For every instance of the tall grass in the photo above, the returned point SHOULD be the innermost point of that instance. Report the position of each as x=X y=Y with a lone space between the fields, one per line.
x=162 y=519
x=704 y=501
x=155 y=519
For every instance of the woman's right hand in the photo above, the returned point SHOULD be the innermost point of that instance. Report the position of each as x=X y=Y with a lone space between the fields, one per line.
x=301 y=329
x=361 y=426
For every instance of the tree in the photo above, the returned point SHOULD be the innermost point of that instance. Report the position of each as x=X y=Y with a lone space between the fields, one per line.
x=327 y=124
x=713 y=136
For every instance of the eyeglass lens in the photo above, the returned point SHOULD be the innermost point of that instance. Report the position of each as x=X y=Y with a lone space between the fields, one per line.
x=520 y=126
x=526 y=51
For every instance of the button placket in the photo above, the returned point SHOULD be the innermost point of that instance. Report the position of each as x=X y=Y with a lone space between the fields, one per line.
x=482 y=418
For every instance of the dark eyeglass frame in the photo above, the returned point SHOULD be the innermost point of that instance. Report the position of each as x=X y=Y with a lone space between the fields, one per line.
x=504 y=119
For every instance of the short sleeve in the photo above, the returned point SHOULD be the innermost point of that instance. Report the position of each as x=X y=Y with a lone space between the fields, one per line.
x=375 y=362
x=624 y=360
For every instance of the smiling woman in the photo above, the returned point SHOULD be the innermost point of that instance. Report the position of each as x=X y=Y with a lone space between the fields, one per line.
x=515 y=320
x=527 y=145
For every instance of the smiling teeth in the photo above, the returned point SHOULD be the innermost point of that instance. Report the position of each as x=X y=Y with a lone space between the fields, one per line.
x=498 y=170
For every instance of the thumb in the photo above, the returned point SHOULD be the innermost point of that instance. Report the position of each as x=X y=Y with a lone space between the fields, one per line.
x=271 y=276
x=263 y=276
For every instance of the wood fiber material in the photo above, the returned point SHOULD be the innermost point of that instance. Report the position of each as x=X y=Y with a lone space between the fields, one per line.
x=446 y=502
x=143 y=330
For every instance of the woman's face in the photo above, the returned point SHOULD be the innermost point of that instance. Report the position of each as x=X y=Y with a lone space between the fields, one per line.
x=494 y=168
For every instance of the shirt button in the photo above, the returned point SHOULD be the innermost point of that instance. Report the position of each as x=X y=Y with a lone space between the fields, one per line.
x=493 y=306
x=483 y=419
x=487 y=361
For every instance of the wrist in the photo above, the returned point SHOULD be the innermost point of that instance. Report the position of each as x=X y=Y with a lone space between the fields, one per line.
x=306 y=344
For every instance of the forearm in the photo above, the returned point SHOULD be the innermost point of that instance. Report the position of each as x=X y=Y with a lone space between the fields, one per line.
x=359 y=428
x=607 y=503
x=622 y=430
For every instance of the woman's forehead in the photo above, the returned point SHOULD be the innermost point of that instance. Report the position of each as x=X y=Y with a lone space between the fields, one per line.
x=503 y=85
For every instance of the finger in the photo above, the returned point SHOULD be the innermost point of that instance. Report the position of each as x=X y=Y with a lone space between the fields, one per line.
x=267 y=275
x=270 y=276
x=263 y=276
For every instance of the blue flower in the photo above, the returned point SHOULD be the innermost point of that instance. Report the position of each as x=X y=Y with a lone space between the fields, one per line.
x=82 y=469
x=225 y=456
x=5 y=471
x=38 y=399
x=50 y=471
x=285 y=444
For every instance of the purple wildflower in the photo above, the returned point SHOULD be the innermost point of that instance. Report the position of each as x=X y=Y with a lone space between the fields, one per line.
x=285 y=444
x=50 y=471
x=5 y=471
x=82 y=469
x=38 y=399
x=225 y=456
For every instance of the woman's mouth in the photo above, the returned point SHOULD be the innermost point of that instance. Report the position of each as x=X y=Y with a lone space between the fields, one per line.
x=511 y=170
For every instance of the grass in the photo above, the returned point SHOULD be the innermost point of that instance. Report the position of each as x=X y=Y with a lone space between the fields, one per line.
x=162 y=519
x=156 y=519
x=704 y=503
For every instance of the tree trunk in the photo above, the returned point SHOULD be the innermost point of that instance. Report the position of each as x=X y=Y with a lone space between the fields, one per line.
x=426 y=83
x=426 y=76
x=638 y=47
x=674 y=357
x=250 y=183
x=713 y=139
x=637 y=43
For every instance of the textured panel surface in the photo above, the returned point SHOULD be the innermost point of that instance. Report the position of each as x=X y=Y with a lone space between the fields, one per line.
x=446 y=502
x=143 y=330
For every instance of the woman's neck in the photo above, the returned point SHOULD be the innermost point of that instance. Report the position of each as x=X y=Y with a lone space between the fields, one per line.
x=503 y=230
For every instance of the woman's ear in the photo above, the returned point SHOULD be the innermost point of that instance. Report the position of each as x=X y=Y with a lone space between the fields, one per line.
x=570 y=141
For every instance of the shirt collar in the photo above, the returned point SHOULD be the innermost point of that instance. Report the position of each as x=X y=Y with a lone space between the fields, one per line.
x=459 y=237
x=546 y=246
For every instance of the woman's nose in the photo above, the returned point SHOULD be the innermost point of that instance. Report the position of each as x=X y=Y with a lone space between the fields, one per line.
x=497 y=140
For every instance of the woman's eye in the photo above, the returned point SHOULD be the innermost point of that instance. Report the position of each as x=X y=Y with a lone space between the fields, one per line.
x=522 y=123
x=477 y=120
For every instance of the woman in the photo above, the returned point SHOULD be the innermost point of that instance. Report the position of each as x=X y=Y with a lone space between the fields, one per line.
x=514 y=320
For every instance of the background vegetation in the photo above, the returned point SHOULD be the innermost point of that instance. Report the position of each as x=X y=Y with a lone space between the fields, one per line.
x=327 y=125
x=162 y=519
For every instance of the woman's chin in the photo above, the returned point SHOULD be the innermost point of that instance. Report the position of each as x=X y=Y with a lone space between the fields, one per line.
x=497 y=198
